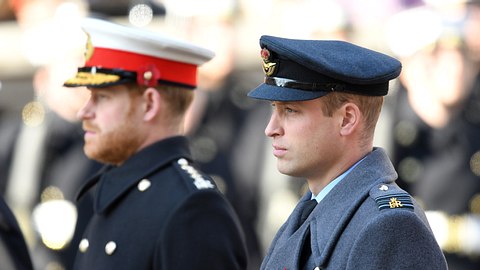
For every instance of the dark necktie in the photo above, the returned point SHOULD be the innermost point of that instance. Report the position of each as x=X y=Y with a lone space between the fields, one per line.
x=307 y=209
x=306 y=250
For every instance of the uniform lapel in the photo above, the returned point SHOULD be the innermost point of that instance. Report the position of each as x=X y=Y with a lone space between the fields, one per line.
x=92 y=181
x=288 y=242
x=335 y=211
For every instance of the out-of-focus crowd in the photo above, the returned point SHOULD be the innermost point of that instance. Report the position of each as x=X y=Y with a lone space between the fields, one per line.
x=430 y=126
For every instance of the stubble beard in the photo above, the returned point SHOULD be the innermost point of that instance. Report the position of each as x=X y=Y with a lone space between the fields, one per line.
x=115 y=146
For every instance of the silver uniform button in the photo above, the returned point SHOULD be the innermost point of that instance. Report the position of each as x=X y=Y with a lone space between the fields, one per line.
x=83 y=246
x=317 y=268
x=182 y=161
x=110 y=247
x=144 y=184
x=383 y=188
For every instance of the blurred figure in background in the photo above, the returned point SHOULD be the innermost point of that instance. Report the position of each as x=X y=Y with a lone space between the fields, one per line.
x=43 y=163
x=436 y=125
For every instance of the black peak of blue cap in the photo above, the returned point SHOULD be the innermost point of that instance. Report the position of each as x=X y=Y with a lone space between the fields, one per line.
x=308 y=69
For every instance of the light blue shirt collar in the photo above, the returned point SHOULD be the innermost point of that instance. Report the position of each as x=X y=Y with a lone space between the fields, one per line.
x=332 y=184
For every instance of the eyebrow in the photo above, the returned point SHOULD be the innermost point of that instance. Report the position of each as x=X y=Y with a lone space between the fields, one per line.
x=286 y=103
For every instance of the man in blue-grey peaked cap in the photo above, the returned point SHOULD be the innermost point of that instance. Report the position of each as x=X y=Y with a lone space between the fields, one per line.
x=326 y=98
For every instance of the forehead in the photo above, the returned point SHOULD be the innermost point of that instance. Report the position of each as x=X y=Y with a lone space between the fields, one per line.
x=301 y=103
x=113 y=90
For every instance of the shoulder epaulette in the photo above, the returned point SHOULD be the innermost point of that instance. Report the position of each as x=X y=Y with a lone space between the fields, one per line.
x=389 y=196
x=198 y=179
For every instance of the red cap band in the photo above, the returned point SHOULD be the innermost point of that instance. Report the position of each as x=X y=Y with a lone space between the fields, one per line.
x=165 y=70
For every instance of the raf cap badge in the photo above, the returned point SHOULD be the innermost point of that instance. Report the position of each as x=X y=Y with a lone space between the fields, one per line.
x=268 y=66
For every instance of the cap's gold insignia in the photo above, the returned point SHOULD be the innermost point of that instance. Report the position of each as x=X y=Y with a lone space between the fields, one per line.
x=268 y=66
x=88 y=48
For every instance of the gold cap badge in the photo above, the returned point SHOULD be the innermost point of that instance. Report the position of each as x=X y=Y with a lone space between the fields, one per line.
x=268 y=66
x=88 y=48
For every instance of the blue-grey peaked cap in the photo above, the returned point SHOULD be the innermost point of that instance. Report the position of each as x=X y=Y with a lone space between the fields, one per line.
x=307 y=69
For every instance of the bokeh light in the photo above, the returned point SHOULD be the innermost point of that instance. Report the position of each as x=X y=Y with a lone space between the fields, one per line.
x=140 y=15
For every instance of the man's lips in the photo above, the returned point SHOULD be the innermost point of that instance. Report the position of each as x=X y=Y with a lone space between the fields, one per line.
x=89 y=131
x=89 y=134
x=279 y=151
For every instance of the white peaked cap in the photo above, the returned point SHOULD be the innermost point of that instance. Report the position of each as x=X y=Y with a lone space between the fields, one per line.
x=117 y=54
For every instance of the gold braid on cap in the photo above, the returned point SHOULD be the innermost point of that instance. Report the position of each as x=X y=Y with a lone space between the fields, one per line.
x=88 y=78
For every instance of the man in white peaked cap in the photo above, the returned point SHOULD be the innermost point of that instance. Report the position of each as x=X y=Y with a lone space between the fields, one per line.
x=153 y=209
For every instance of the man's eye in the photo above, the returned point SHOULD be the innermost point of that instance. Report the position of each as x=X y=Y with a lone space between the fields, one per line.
x=289 y=110
x=101 y=96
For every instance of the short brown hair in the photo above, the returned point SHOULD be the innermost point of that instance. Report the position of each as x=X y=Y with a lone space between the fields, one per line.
x=178 y=98
x=370 y=107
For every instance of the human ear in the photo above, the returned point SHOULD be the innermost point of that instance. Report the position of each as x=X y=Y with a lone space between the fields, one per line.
x=350 y=118
x=152 y=103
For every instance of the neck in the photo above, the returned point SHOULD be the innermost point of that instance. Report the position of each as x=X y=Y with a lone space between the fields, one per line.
x=318 y=183
x=160 y=132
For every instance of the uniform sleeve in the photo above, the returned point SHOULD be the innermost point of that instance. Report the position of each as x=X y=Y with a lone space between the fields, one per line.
x=203 y=233
x=12 y=243
x=396 y=239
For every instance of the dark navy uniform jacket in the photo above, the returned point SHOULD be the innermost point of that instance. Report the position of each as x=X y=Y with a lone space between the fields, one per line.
x=13 y=249
x=365 y=222
x=156 y=211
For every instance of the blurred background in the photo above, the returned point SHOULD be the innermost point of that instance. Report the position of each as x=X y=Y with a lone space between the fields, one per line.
x=430 y=124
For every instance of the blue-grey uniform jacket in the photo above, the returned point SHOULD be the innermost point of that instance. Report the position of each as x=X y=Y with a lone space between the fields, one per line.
x=365 y=222
x=156 y=211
